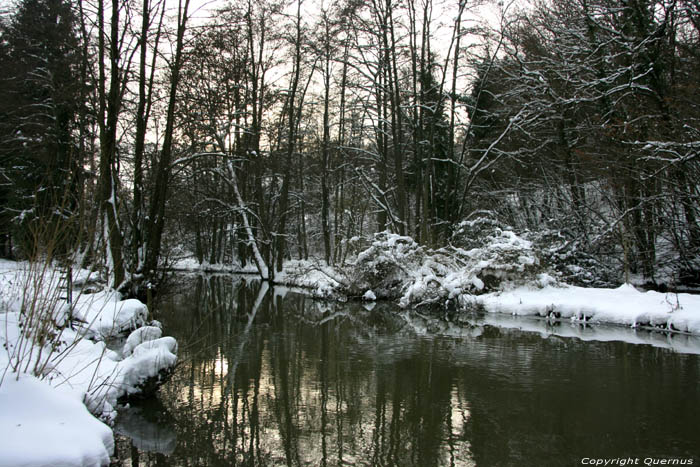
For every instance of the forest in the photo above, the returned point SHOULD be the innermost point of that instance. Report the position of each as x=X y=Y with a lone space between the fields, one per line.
x=137 y=132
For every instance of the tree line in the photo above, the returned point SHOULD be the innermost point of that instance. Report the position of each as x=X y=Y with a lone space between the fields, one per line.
x=138 y=129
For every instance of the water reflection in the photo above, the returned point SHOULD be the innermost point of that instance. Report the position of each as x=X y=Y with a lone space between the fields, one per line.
x=149 y=426
x=274 y=378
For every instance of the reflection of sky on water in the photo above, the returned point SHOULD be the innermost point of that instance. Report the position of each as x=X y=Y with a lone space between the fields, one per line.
x=273 y=380
x=305 y=416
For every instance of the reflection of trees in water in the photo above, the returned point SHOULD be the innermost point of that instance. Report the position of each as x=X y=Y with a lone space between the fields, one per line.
x=270 y=380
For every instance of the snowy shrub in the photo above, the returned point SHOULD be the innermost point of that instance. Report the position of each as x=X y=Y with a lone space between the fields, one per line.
x=470 y=234
x=41 y=316
x=384 y=267
x=447 y=274
x=494 y=253
x=484 y=256
x=395 y=266
x=442 y=277
x=567 y=259
x=505 y=256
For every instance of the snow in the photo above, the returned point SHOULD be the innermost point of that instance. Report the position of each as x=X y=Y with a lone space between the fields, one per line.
x=625 y=306
x=40 y=425
x=319 y=279
x=63 y=381
x=191 y=264
x=676 y=342
x=147 y=360
x=140 y=335
x=395 y=267
x=108 y=315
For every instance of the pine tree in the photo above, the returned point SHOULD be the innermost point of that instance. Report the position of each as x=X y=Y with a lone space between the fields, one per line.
x=39 y=102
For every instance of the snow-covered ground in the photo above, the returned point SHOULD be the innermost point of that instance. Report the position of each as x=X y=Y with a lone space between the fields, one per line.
x=56 y=379
x=191 y=264
x=624 y=306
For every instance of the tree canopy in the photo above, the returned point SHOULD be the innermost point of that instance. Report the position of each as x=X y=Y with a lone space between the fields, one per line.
x=269 y=131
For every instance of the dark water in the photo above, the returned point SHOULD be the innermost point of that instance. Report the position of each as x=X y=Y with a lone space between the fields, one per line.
x=267 y=379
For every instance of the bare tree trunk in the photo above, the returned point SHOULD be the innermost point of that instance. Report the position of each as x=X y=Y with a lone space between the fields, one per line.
x=160 y=192
x=340 y=185
x=109 y=110
x=325 y=197
x=252 y=242
x=396 y=120
x=145 y=93
x=280 y=231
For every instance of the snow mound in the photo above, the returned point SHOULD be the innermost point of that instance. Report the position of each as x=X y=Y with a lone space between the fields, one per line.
x=41 y=425
x=148 y=366
x=624 y=306
x=106 y=315
x=140 y=335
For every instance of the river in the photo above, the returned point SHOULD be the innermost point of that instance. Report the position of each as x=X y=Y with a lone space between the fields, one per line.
x=272 y=377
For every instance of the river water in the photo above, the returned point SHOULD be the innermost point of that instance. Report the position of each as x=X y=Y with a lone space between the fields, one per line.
x=271 y=377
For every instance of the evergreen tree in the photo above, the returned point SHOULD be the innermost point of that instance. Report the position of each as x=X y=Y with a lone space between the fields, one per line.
x=39 y=102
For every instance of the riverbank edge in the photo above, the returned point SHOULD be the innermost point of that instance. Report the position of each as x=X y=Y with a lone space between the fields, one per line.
x=625 y=306
x=86 y=377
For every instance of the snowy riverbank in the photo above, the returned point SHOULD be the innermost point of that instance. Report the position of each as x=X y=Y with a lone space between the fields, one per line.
x=625 y=306
x=58 y=373
x=395 y=269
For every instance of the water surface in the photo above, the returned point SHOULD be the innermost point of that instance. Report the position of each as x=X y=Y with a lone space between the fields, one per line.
x=274 y=378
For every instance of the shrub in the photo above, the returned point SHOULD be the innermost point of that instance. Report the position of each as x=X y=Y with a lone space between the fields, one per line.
x=568 y=260
x=384 y=267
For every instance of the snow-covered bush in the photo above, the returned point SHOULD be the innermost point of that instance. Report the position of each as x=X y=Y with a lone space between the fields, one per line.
x=495 y=253
x=384 y=267
x=568 y=260
x=33 y=293
x=470 y=234
x=484 y=256
x=442 y=277
x=395 y=266
x=504 y=257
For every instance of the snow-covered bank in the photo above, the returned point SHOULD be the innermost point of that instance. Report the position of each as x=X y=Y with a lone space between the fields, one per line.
x=490 y=267
x=55 y=366
x=676 y=342
x=543 y=297
x=503 y=273
x=42 y=425
x=312 y=277
x=624 y=306
x=189 y=264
